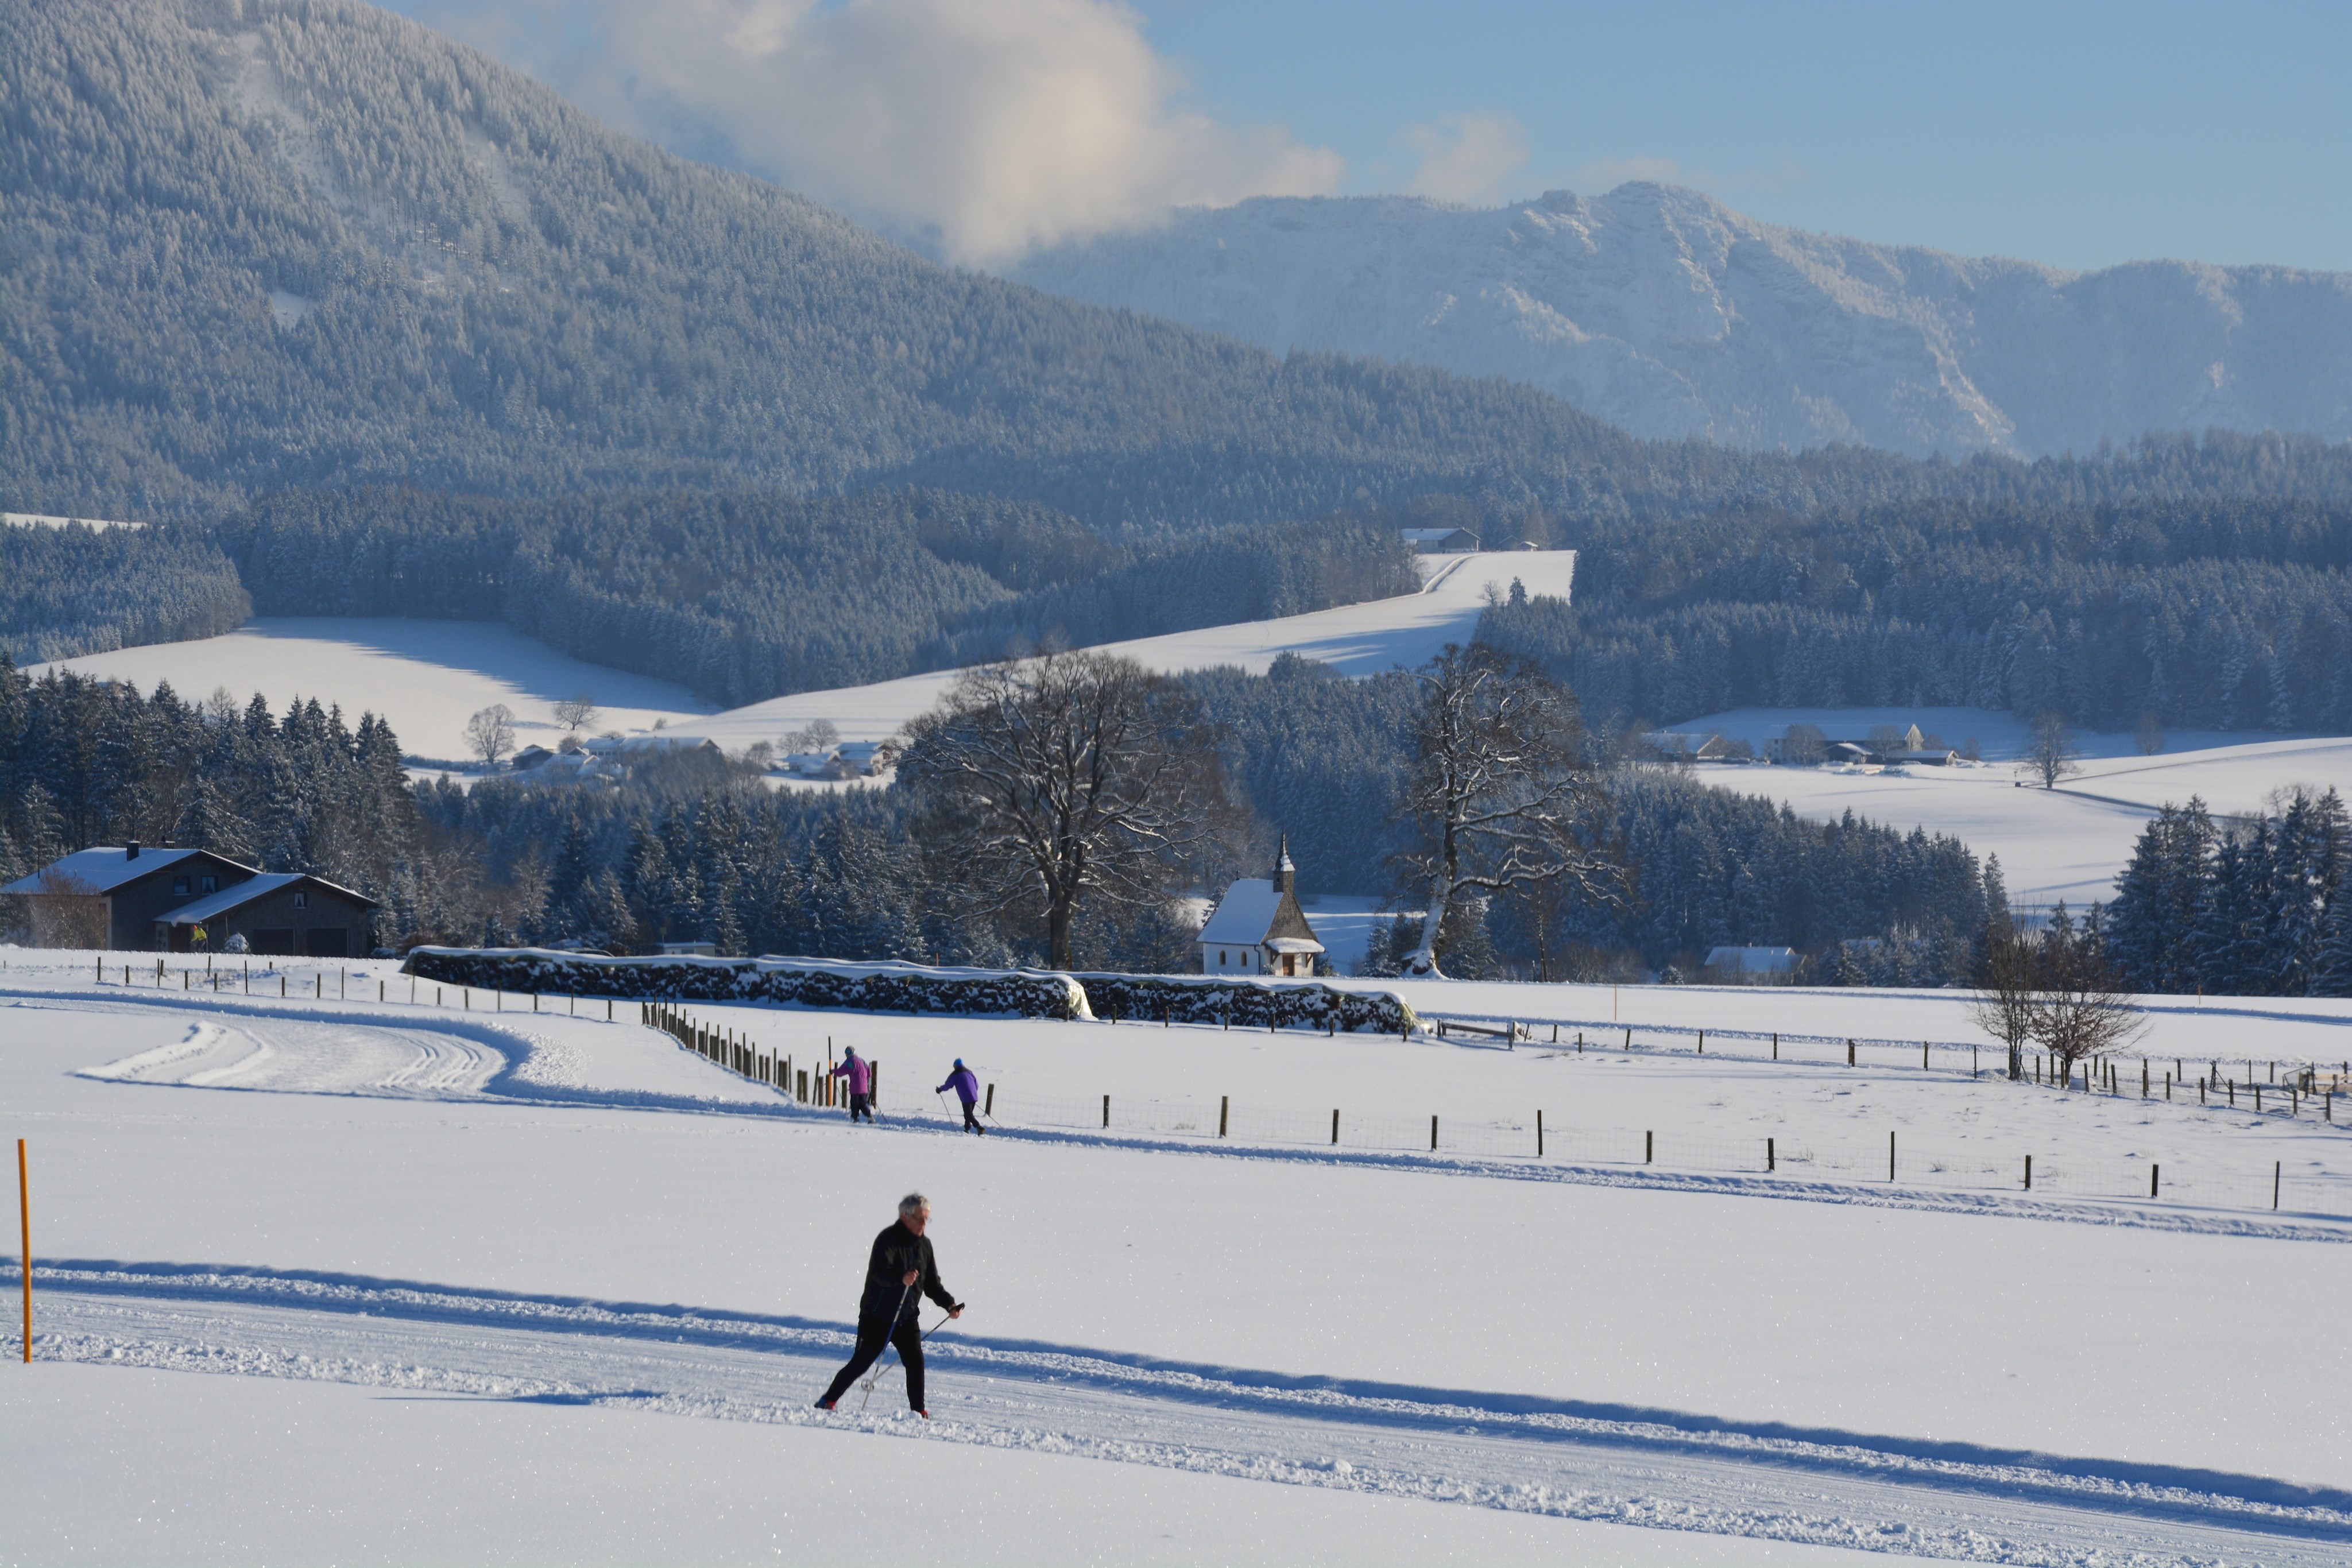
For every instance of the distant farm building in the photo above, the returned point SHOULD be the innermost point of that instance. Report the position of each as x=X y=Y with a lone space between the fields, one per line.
x=274 y=912
x=1440 y=541
x=132 y=899
x=1733 y=964
x=1258 y=927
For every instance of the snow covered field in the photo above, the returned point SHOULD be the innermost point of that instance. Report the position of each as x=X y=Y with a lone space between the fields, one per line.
x=2069 y=842
x=486 y=1284
x=427 y=678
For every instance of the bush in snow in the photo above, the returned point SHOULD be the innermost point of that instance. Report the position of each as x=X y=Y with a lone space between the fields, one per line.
x=1246 y=1004
x=785 y=982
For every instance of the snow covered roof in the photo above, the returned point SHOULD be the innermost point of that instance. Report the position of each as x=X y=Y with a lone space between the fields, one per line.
x=246 y=892
x=103 y=868
x=1244 y=915
x=1753 y=960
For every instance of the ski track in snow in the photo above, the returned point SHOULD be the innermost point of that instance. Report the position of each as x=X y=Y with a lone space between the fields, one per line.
x=349 y=1050
x=1662 y=1470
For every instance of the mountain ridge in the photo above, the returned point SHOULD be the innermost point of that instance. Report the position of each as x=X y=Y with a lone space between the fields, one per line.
x=1667 y=314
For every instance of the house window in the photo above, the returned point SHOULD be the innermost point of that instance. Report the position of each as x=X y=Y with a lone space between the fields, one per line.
x=1222 y=960
x=208 y=884
x=301 y=900
x=179 y=887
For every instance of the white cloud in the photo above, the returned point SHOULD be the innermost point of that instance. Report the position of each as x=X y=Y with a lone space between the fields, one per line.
x=995 y=126
x=1465 y=157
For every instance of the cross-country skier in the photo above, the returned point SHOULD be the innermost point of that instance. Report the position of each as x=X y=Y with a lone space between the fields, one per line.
x=967 y=1089
x=855 y=1068
x=900 y=1272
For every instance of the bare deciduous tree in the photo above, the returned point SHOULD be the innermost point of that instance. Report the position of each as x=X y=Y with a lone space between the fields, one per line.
x=2057 y=988
x=1502 y=795
x=1047 y=782
x=2149 y=736
x=576 y=712
x=490 y=733
x=67 y=912
x=2082 y=1007
x=2050 y=754
x=2002 y=1005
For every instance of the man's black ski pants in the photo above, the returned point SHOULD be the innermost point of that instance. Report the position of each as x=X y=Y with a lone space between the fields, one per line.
x=873 y=1333
x=971 y=1121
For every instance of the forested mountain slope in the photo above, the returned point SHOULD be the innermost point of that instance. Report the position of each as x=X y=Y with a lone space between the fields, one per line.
x=292 y=245
x=286 y=245
x=1664 y=313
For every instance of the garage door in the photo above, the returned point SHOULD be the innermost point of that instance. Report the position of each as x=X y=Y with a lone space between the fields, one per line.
x=329 y=942
x=277 y=940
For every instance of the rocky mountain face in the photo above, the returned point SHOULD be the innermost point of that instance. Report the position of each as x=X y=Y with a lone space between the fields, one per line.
x=1664 y=313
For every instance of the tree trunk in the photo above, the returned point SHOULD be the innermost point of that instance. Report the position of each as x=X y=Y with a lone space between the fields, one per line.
x=1058 y=933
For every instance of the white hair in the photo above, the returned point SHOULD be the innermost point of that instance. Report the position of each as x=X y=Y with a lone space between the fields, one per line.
x=913 y=1203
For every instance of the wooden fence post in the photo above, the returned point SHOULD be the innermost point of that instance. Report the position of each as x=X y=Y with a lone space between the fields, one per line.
x=2152 y=1169
x=1890 y=1156
x=1335 y=1127
x=1849 y=1054
x=2276 y=1166
x=1702 y=1042
x=990 y=1108
x=1224 y=1111
x=1107 y=1115
x=1771 y=1161
x=25 y=1217
x=2028 y=1173
x=1649 y=1147
x=1539 y=1134
x=1433 y=1140
x=1776 y=1045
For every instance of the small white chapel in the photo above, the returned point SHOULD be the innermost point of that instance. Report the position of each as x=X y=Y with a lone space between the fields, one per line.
x=1258 y=928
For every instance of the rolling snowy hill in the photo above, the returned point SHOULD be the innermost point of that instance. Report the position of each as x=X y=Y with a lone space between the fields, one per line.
x=1666 y=313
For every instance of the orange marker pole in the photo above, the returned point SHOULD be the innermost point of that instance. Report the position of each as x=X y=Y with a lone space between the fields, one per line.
x=25 y=1212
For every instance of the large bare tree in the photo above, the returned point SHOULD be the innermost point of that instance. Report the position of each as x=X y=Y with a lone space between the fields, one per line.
x=2056 y=987
x=1502 y=796
x=1045 y=781
x=2050 y=753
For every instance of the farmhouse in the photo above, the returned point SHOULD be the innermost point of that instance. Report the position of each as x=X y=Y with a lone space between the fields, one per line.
x=1258 y=928
x=109 y=895
x=274 y=912
x=1440 y=541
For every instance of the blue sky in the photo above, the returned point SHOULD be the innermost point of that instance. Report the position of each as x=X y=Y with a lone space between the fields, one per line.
x=2080 y=135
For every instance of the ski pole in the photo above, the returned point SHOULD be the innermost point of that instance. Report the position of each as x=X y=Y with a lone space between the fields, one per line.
x=883 y=1372
x=875 y=1376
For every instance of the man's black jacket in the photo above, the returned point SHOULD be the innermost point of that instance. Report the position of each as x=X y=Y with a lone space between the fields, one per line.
x=897 y=1250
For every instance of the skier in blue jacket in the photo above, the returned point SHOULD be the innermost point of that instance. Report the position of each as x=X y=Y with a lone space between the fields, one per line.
x=967 y=1089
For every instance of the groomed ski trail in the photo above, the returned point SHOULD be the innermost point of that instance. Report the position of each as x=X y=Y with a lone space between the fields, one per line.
x=1660 y=1470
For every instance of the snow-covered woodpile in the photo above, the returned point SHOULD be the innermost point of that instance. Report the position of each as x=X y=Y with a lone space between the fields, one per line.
x=792 y=982
x=1246 y=1004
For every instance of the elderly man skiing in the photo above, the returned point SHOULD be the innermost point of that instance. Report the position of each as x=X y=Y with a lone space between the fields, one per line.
x=900 y=1271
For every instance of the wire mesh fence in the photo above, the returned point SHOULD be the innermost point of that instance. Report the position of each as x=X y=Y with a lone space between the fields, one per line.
x=1900 y=1159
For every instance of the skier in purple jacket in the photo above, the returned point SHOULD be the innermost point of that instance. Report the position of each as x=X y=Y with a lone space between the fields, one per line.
x=967 y=1089
x=855 y=1068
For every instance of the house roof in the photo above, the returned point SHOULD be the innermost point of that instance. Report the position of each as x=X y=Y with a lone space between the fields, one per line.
x=1243 y=915
x=103 y=868
x=246 y=892
x=1752 y=957
x=1246 y=914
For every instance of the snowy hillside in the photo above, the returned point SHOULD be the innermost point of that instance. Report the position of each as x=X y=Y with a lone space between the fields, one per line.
x=456 y=1244
x=2068 y=842
x=1664 y=313
x=427 y=677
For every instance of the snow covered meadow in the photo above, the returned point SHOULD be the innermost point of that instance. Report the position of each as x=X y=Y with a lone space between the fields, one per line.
x=473 y=1282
